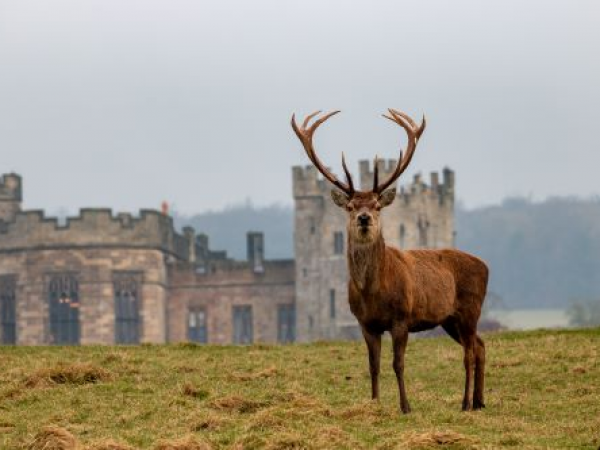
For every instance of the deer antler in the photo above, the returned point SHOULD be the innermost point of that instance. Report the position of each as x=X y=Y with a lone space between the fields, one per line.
x=305 y=134
x=414 y=132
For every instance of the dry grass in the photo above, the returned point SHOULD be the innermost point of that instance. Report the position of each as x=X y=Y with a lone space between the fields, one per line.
x=79 y=373
x=188 y=443
x=266 y=373
x=210 y=422
x=235 y=403
x=109 y=445
x=542 y=392
x=192 y=391
x=437 y=439
x=52 y=438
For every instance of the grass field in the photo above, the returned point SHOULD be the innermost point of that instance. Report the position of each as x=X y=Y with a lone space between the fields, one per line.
x=543 y=391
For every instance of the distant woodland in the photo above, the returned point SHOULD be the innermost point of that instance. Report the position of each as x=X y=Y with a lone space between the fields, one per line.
x=541 y=254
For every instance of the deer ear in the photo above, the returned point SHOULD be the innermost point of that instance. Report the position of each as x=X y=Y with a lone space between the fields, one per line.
x=387 y=197
x=339 y=198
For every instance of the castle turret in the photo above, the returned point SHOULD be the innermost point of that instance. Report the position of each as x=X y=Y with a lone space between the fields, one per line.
x=11 y=196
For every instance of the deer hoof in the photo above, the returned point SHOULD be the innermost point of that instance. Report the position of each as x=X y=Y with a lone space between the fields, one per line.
x=478 y=404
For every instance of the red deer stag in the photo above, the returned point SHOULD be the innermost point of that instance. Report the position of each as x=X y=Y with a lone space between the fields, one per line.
x=404 y=291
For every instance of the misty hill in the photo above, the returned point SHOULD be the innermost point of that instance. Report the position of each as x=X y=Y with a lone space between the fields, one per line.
x=541 y=254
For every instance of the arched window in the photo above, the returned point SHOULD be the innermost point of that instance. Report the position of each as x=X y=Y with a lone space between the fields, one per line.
x=423 y=225
x=127 y=307
x=63 y=298
x=8 y=309
x=243 y=329
x=197 y=330
x=286 y=323
x=402 y=235
x=338 y=243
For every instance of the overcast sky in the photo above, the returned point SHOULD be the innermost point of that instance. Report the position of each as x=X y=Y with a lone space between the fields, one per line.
x=128 y=103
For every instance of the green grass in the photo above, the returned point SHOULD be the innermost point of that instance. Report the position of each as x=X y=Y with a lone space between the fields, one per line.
x=542 y=391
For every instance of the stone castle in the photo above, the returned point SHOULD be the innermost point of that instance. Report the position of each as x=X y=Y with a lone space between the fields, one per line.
x=124 y=279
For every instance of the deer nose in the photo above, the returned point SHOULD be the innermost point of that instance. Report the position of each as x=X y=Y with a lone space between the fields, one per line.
x=363 y=219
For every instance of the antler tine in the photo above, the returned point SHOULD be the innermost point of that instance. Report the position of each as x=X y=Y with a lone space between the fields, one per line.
x=310 y=116
x=305 y=134
x=412 y=123
x=347 y=172
x=409 y=119
x=413 y=132
x=375 y=173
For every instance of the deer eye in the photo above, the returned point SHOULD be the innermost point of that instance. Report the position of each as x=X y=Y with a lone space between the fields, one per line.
x=349 y=207
x=377 y=207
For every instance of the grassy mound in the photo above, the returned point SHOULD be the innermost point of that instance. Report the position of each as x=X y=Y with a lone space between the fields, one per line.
x=542 y=391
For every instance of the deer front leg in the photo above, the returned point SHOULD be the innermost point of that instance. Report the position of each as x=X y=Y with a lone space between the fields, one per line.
x=399 y=340
x=374 y=345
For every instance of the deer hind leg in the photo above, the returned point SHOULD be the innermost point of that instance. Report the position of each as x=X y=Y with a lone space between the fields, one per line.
x=399 y=340
x=479 y=373
x=451 y=327
x=374 y=346
x=468 y=342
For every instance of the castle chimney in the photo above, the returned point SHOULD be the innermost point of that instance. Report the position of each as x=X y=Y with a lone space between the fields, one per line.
x=435 y=181
x=11 y=196
x=448 y=179
x=255 y=247
x=190 y=235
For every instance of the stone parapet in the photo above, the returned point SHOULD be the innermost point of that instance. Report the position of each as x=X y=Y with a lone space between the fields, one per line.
x=95 y=228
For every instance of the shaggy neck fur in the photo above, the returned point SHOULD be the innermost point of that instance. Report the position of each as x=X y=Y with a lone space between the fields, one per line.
x=365 y=261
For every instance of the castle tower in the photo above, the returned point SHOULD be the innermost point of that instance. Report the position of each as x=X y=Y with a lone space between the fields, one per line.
x=421 y=216
x=11 y=196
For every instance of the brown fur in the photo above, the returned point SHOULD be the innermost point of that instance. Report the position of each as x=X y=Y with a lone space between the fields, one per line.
x=403 y=291
x=414 y=290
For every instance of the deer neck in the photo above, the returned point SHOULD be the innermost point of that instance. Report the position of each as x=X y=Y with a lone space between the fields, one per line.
x=365 y=262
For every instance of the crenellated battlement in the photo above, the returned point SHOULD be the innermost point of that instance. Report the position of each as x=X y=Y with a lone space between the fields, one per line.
x=96 y=227
x=307 y=182
x=385 y=166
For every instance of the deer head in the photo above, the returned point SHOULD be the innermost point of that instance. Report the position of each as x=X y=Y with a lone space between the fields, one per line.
x=363 y=207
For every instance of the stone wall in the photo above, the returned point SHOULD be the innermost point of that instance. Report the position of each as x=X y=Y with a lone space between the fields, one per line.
x=93 y=268
x=94 y=228
x=225 y=285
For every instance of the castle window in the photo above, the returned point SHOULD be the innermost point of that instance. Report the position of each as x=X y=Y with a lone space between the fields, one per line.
x=8 y=309
x=402 y=235
x=286 y=323
x=313 y=227
x=127 y=307
x=423 y=226
x=243 y=332
x=332 y=303
x=63 y=299
x=338 y=243
x=197 y=330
